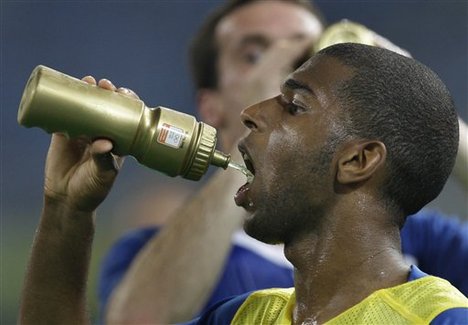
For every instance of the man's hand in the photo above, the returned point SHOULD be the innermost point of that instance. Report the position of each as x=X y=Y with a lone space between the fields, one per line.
x=80 y=172
x=460 y=170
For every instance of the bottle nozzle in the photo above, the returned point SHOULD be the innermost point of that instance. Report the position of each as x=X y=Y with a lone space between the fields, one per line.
x=220 y=159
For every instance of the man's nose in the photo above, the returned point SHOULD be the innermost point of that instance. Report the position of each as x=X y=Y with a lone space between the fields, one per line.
x=256 y=117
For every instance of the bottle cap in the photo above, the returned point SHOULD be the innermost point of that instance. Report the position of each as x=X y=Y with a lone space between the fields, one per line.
x=205 y=154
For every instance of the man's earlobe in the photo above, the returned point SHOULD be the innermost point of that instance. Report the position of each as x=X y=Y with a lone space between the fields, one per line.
x=359 y=161
x=210 y=107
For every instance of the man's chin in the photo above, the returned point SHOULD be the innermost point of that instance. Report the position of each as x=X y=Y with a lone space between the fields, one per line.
x=261 y=234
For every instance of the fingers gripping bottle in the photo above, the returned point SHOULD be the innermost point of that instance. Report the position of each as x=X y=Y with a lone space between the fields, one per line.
x=160 y=138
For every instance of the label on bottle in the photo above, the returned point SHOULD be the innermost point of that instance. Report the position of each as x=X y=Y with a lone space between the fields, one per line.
x=171 y=136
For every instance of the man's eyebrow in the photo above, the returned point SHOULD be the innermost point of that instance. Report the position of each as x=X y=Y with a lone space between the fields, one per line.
x=262 y=40
x=254 y=39
x=294 y=84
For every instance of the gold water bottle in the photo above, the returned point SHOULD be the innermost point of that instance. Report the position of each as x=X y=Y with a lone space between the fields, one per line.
x=160 y=138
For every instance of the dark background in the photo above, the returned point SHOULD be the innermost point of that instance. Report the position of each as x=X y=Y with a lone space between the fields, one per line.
x=142 y=45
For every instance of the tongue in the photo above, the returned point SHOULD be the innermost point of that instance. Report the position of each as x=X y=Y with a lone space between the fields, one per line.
x=241 y=196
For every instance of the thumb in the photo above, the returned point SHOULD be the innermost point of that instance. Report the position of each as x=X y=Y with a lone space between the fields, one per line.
x=103 y=158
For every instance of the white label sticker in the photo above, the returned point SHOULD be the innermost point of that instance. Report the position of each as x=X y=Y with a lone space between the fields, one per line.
x=171 y=136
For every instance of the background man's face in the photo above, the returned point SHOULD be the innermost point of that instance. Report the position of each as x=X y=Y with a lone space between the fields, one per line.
x=244 y=37
x=292 y=144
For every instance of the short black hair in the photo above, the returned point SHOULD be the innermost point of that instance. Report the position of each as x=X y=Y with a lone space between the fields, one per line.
x=203 y=53
x=404 y=104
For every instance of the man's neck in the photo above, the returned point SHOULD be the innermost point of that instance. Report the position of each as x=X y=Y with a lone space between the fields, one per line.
x=342 y=264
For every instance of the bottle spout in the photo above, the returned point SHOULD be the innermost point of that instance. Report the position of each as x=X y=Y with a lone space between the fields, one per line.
x=220 y=159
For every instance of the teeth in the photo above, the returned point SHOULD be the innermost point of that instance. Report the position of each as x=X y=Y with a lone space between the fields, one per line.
x=247 y=172
x=250 y=176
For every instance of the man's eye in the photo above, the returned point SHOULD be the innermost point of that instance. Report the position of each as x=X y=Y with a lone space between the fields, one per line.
x=295 y=109
x=252 y=57
x=253 y=54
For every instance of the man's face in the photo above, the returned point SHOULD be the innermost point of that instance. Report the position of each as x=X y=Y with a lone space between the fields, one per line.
x=244 y=38
x=291 y=149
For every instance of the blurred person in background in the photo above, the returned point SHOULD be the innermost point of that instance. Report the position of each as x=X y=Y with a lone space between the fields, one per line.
x=240 y=56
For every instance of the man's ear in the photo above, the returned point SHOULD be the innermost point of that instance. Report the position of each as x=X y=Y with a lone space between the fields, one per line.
x=359 y=161
x=210 y=107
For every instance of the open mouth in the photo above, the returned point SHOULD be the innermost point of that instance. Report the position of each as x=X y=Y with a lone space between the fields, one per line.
x=249 y=165
x=242 y=196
